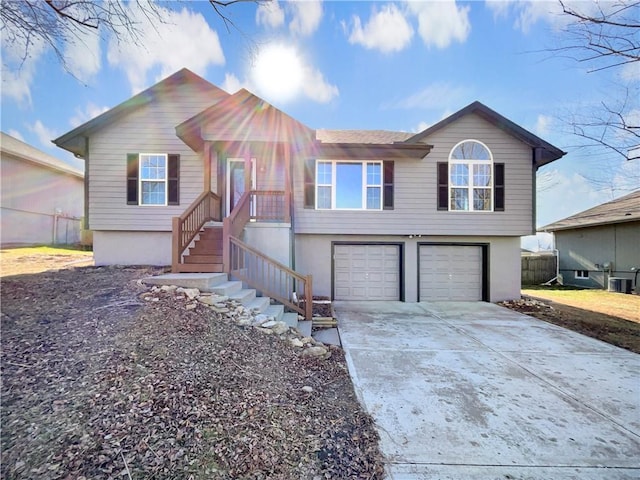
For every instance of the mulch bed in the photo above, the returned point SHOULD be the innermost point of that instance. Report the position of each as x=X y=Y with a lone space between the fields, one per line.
x=103 y=382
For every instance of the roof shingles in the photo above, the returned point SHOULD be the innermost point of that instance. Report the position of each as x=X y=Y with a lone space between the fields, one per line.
x=622 y=210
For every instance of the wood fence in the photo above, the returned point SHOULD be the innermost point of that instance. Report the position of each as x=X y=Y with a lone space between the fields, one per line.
x=537 y=269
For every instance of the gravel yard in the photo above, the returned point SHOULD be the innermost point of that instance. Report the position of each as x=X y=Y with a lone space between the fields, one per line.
x=102 y=379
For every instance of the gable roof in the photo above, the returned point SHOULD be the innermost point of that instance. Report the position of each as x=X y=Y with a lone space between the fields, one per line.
x=622 y=210
x=549 y=153
x=240 y=117
x=25 y=152
x=73 y=140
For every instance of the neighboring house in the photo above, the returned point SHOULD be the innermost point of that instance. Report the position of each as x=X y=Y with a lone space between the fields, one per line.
x=599 y=243
x=370 y=215
x=42 y=196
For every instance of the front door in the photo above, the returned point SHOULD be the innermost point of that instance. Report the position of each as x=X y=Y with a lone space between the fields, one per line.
x=236 y=181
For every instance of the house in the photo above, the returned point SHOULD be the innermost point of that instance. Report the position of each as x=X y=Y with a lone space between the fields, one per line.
x=364 y=215
x=599 y=243
x=41 y=198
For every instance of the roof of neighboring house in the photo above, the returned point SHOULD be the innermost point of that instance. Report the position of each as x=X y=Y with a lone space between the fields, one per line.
x=622 y=210
x=361 y=136
x=549 y=153
x=26 y=152
x=243 y=116
x=73 y=141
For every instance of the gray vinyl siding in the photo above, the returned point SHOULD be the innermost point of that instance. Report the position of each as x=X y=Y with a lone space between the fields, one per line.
x=149 y=129
x=591 y=247
x=416 y=194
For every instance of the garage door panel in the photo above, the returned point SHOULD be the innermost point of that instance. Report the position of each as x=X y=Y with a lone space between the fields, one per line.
x=450 y=272
x=366 y=272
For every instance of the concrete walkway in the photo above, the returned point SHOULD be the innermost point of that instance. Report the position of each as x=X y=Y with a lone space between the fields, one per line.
x=470 y=391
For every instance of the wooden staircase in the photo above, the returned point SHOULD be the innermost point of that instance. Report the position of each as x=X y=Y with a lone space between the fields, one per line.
x=206 y=254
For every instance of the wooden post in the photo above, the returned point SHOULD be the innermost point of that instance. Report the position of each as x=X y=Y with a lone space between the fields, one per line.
x=175 y=244
x=226 y=250
x=308 y=295
x=206 y=154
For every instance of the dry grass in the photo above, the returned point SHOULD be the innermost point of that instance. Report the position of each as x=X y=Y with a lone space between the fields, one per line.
x=25 y=260
x=614 y=304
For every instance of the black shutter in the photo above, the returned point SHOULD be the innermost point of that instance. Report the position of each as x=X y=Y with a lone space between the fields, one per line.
x=387 y=182
x=498 y=187
x=310 y=184
x=132 y=179
x=173 y=179
x=443 y=186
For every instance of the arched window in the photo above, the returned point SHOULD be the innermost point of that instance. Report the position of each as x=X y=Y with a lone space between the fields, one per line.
x=471 y=177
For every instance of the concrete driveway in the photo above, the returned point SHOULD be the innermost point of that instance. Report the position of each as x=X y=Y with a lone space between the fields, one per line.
x=471 y=391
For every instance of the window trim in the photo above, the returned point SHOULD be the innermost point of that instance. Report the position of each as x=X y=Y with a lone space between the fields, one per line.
x=470 y=187
x=165 y=180
x=365 y=185
x=581 y=274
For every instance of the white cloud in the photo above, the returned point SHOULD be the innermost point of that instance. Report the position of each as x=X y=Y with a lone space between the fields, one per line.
x=316 y=88
x=83 y=56
x=387 y=30
x=630 y=72
x=16 y=134
x=91 y=110
x=441 y=23
x=543 y=125
x=270 y=14
x=183 y=40
x=44 y=134
x=435 y=96
x=18 y=70
x=232 y=83
x=280 y=74
x=306 y=16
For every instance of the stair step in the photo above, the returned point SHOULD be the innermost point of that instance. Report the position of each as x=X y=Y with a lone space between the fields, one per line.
x=259 y=303
x=328 y=336
x=291 y=319
x=200 y=267
x=211 y=233
x=207 y=245
x=244 y=295
x=275 y=311
x=204 y=282
x=305 y=327
x=228 y=288
x=202 y=258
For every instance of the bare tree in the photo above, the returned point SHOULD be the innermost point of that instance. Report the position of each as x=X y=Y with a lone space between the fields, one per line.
x=29 y=24
x=606 y=35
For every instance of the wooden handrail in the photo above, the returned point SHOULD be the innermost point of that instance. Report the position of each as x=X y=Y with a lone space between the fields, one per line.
x=184 y=228
x=271 y=277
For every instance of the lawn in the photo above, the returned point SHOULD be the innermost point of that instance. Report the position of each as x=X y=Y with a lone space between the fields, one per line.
x=25 y=260
x=615 y=304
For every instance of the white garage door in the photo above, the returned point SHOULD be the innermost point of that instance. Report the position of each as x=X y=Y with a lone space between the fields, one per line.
x=366 y=272
x=450 y=272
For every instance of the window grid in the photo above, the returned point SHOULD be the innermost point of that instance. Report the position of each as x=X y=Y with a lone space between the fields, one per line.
x=332 y=191
x=153 y=179
x=470 y=177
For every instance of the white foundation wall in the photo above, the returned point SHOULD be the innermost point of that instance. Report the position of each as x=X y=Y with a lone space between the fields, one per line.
x=313 y=256
x=131 y=248
x=272 y=239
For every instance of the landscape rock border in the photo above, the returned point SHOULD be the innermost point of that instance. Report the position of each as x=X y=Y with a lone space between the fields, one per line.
x=244 y=317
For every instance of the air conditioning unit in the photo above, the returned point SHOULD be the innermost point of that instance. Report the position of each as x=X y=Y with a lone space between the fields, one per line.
x=620 y=285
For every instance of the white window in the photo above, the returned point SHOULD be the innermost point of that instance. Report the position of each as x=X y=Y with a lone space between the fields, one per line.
x=582 y=273
x=153 y=179
x=342 y=185
x=470 y=177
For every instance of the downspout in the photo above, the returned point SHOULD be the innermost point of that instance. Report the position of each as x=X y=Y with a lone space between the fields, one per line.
x=292 y=235
x=86 y=183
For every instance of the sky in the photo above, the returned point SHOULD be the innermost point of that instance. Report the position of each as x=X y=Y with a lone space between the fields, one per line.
x=343 y=65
